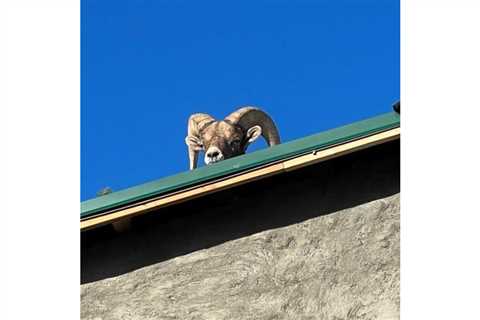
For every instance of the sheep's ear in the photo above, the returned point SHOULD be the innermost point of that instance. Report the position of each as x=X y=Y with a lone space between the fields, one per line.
x=253 y=133
x=194 y=142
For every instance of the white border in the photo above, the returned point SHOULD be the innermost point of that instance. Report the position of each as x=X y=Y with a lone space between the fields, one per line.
x=440 y=159
x=43 y=153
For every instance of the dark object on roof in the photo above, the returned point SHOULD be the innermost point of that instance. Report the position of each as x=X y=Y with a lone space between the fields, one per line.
x=104 y=191
x=396 y=107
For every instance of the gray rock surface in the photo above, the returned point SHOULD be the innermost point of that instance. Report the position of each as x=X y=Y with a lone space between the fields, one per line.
x=343 y=265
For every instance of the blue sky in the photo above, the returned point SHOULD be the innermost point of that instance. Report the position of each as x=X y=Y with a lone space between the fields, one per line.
x=147 y=65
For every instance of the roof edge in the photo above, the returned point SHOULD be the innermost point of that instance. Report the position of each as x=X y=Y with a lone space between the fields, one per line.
x=239 y=179
x=237 y=165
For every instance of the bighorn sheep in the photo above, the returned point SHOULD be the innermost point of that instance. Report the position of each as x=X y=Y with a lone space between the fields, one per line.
x=230 y=137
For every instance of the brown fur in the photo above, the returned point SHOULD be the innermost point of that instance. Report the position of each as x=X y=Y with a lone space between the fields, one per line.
x=226 y=137
x=229 y=137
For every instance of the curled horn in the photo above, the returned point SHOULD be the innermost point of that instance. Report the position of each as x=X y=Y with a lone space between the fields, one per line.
x=248 y=117
x=196 y=123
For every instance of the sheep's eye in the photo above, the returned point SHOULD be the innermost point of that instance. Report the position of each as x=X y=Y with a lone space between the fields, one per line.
x=235 y=143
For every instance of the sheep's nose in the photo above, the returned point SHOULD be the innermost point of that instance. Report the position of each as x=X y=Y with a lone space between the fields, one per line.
x=213 y=154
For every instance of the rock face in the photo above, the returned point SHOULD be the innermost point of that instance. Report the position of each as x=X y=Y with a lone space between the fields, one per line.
x=344 y=265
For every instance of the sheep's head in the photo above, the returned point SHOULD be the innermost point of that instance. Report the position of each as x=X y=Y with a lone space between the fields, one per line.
x=229 y=137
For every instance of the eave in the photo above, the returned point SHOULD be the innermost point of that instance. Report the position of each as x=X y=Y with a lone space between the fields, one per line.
x=239 y=170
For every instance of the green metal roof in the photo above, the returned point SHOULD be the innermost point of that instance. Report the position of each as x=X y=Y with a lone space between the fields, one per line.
x=241 y=163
